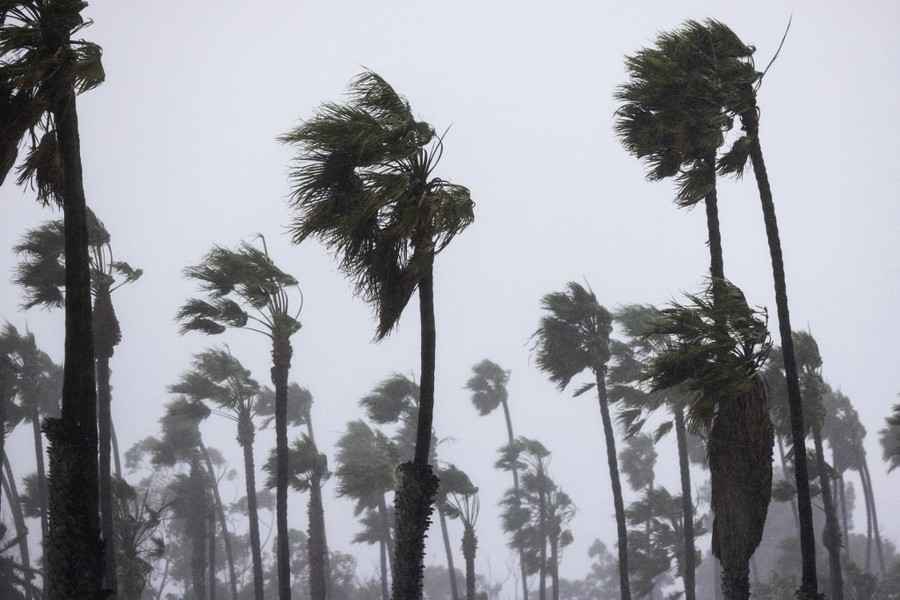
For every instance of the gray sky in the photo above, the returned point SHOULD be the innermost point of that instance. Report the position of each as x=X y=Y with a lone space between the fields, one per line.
x=179 y=153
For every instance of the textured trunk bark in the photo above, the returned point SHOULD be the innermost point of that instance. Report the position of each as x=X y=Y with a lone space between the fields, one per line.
x=809 y=580
x=687 y=505
x=74 y=553
x=41 y=471
x=876 y=531
x=469 y=548
x=220 y=512
x=785 y=473
x=417 y=483
x=104 y=426
x=448 y=551
x=831 y=537
x=523 y=572
x=612 y=461
x=281 y=364
x=253 y=516
x=15 y=507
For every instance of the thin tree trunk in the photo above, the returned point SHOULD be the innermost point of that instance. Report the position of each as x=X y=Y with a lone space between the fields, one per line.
x=469 y=548
x=448 y=551
x=15 y=506
x=809 y=581
x=875 y=529
x=385 y=591
x=554 y=567
x=845 y=521
x=211 y=553
x=317 y=544
x=515 y=473
x=165 y=578
x=865 y=490
x=197 y=531
x=542 y=527
x=418 y=484
x=104 y=418
x=386 y=531
x=831 y=537
x=117 y=461
x=687 y=505
x=785 y=473
x=612 y=460
x=253 y=515
x=41 y=471
x=281 y=364
x=220 y=511
x=74 y=553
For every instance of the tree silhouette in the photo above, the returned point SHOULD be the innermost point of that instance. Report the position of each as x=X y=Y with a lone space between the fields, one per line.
x=364 y=185
x=890 y=439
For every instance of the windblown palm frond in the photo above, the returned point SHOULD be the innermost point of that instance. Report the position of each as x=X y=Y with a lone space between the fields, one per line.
x=396 y=396
x=299 y=405
x=890 y=439
x=488 y=386
x=364 y=185
x=305 y=462
x=218 y=377
x=366 y=460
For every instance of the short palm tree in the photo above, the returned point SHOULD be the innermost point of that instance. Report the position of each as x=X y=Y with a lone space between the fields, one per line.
x=728 y=401
x=488 y=385
x=219 y=380
x=460 y=499
x=42 y=68
x=364 y=185
x=573 y=337
x=41 y=274
x=246 y=290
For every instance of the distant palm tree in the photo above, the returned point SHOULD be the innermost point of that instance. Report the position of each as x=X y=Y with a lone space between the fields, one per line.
x=460 y=498
x=221 y=381
x=364 y=184
x=728 y=401
x=42 y=68
x=890 y=439
x=41 y=274
x=573 y=336
x=488 y=385
x=246 y=290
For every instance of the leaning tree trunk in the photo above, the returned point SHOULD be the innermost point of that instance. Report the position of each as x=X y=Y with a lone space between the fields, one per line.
x=523 y=571
x=876 y=531
x=687 y=506
x=220 y=512
x=15 y=506
x=386 y=531
x=211 y=553
x=317 y=543
x=417 y=483
x=740 y=464
x=74 y=553
x=245 y=438
x=41 y=471
x=865 y=488
x=844 y=518
x=469 y=548
x=114 y=439
x=784 y=473
x=612 y=461
x=104 y=416
x=809 y=581
x=448 y=551
x=281 y=365
x=831 y=536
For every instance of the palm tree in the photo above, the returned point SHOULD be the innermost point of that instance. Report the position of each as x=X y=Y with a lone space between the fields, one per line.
x=488 y=385
x=627 y=386
x=460 y=499
x=246 y=290
x=366 y=460
x=560 y=512
x=42 y=68
x=220 y=380
x=41 y=274
x=573 y=336
x=9 y=487
x=890 y=439
x=364 y=185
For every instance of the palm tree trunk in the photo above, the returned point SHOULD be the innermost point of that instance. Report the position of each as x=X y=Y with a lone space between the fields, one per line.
x=844 y=517
x=197 y=531
x=554 y=567
x=687 y=506
x=386 y=531
x=252 y=513
x=117 y=460
x=469 y=548
x=104 y=424
x=418 y=484
x=809 y=581
x=875 y=529
x=164 y=580
x=612 y=460
x=784 y=473
x=317 y=544
x=74 y=552
x=15 y=506
x=385 y=591
x=542 y=527
x=515 y=473
x=41 y=472
x=211 y=553
x=281 y=364
x=831 y=537
x=448 y=551
x=865 y=489
x=220 y=511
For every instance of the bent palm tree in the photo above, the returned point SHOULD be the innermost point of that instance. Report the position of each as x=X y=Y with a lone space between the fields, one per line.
x=364 y=185
x=573 y=337
x=41 y=274
x=42 y=68
x=246 y=290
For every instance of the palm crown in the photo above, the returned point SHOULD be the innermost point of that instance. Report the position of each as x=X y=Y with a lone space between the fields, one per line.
x=364 y=185
x=890 y=439
x=488 y=386
x=35 y=379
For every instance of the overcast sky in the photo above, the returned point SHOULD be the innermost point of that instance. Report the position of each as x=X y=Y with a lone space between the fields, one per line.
x=179 y=153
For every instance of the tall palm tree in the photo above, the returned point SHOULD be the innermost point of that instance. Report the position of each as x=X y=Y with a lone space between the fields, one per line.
x=41 y=274
x=364 y=184
x=573 y=336
x=728 y=401
x=245 y=289
x=488 y=385
x=221 y=381
x=42 y=68
x=627 y=386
